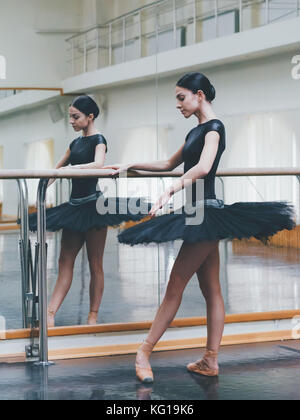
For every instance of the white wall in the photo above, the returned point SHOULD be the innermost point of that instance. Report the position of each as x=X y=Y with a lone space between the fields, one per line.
x=258 y=89
x=33 y=34
x=35 y=59
x=258 y=101
x=117 y=8
x=55 y=14
x=89 y=13
x=251 y=87
x=19 y=129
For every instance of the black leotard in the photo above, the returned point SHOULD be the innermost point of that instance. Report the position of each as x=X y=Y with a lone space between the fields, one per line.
x=192 y=151
x=82 y=152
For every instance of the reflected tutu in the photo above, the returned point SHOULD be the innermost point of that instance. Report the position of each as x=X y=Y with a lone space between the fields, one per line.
x=239 y=220
x=85 y=214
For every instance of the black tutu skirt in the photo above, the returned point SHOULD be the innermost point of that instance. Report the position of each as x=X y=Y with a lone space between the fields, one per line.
x=239 y=220
x=85 y=214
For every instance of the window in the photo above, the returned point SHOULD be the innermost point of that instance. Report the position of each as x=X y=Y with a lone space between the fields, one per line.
x=166 y=41
x=227 y=24
x=39 y=155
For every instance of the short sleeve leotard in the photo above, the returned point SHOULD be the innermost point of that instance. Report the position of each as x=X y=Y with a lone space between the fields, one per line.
x=83 y=152
x=193 y=148
x=239 y=220
x=81 y=212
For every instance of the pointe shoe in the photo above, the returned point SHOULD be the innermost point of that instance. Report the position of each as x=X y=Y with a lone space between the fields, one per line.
x=202 y=367
x=144 y=374
x=92 y=318
x=50 y=318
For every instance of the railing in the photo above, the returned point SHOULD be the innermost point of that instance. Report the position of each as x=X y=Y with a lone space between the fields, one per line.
x=6 y=93
x=41 y=247
x=169 y=24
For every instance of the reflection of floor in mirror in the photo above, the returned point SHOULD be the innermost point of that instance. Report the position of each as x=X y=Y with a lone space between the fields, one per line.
x=262 y=371
x=254 y=279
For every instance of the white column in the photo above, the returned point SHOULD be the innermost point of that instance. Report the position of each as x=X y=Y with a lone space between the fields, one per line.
x=174 y=24
x=216 y=18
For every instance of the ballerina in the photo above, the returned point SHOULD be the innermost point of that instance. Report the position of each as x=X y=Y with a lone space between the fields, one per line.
x=199 y=253
x=80 y=219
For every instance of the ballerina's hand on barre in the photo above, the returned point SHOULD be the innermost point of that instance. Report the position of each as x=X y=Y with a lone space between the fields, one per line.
x=156 y=166
x=117 y=169
x=52 y=180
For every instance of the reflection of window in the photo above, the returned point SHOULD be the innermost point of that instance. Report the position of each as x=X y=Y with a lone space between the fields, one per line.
x=39 y=155
x=131 y=52
x=6 y=93
x=227 y=24
x=165 y=41
x=263 y=140
x=280 y=10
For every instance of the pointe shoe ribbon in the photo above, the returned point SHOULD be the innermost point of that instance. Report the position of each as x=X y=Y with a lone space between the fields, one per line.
x=92 y=318
x=144 y=374
x=202 y=367
x=50 y=318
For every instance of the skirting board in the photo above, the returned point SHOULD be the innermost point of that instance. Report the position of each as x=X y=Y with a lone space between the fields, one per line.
x=127 y=342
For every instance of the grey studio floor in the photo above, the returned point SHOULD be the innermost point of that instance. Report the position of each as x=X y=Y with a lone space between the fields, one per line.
x=247 y=372
x=254 y=279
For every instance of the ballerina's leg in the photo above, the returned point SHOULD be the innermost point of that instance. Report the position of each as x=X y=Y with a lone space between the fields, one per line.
x=188 y=262
x=71 y=243
x=95 y=244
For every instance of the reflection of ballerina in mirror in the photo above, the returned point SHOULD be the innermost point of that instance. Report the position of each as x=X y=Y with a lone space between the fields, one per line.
x=199 y=254
x=210 y=386
x=143 y=392
x=80 y=219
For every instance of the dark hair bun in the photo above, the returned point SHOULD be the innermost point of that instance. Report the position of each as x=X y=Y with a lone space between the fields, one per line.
x=212 y=94
x=197 y=81
x=86 y=105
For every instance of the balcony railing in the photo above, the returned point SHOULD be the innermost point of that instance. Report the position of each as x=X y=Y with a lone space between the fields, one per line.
x=169 y=24
x=6 y=93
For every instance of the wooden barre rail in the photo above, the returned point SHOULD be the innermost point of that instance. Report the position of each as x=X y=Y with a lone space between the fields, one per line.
x=60 y=90
x=106 y=173
x=145 y=325
x=20 y=175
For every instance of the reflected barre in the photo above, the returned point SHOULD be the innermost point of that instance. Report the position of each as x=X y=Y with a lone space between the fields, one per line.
x=45 y=175
x=106 y=173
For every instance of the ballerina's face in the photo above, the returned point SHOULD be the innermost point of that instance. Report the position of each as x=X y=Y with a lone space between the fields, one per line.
x=78 y=120
x=187 y=101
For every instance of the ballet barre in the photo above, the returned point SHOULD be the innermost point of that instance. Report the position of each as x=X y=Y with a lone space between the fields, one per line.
x=20 y=175
x=106 y=173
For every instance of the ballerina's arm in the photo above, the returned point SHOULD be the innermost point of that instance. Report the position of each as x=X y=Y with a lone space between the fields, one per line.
x=64 y=161
x=156 y=166
x=198 y=171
